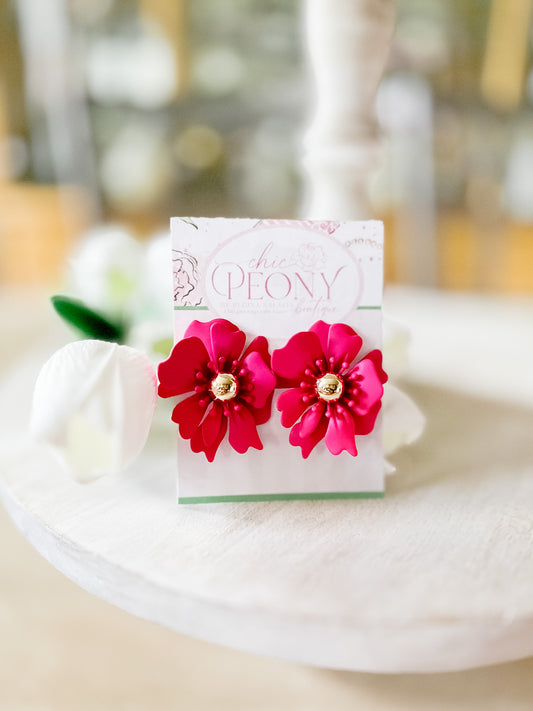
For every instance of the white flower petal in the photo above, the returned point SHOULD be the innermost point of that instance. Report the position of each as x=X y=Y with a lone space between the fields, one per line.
x=388 y=468
x=156 y=285
x=106 y=268
x=154 y=338
x=403 y=422
x=396 y=339
x=94 y=401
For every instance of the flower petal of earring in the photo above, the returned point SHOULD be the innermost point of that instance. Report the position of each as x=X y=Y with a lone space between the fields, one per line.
x=229 y=387
x=332 y=395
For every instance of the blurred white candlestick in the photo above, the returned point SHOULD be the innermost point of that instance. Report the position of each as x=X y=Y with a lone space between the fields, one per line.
x=348 y=42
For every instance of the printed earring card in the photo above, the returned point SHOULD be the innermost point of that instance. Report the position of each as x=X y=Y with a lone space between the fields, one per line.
x=304 y=380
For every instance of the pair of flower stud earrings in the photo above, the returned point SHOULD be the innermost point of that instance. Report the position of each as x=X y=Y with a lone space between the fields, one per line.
x=328 y=394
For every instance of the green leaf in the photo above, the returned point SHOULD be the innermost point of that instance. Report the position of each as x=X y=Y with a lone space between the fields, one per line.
x=89 y=322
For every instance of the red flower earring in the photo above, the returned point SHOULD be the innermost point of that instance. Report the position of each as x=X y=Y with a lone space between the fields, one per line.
x=231 y=386
x=332 y=396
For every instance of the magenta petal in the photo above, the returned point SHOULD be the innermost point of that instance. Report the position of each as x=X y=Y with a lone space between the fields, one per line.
x=312 y=418
x=263 y=414
x=291 y=406
x=340 y=435
x=221 y=338
x=198 y=444
x=301 y=352
x=344 y=343
x=260 y=377
x=321 y=328
x=177 y=374
x=211 y=424
x=189 y=413
x=308 y=443
x=376 y=356
x=226 y=342
x=242 y=429
x=365 y=424
x=259 y=345
x=339 y=341
x=199 y=329
x=369 y=389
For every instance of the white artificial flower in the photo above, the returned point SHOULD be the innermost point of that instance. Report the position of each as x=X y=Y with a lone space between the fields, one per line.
x=94 y=402
x=106 y=268
x=153 y=338
x=156 y=284
x=123 y=278
x=396 y=339
x=403 y=422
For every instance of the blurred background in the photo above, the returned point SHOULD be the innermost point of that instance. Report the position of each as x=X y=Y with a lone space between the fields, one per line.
x=131 y=111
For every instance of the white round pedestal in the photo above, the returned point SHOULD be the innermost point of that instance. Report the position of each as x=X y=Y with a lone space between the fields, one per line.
x=437 y=576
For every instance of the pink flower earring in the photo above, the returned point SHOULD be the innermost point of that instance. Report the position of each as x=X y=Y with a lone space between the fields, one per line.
x=231 y=387
x=332 y=396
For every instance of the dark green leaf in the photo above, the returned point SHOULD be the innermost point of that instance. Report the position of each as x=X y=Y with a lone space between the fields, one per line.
x=89 y=322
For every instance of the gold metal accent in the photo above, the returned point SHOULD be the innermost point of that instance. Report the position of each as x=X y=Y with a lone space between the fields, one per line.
x=224 y=386
x=329 y=387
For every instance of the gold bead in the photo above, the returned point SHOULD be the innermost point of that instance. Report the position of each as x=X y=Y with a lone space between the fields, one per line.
x=329 y=387
x=224 y=386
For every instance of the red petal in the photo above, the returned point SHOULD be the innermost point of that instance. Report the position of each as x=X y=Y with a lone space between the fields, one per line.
x=262 y=414
x=284 y=383
x=308 y=443
x=376 y=356
x=369 y=389
x=312 y=418
x=198 y=444
x=291 y=406
x=259 y=345
x=177 y=374
x=338 y=340
x=365 y=424
x=212 y=423
x=226 y=341
x=242 y=430
x=164 y=392
x=200 y=329
x=189 y=413
x=301 y=352
x=340 y=435
x=261 y=377
x=221 y=337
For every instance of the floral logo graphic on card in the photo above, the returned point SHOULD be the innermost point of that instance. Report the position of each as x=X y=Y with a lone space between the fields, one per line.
x=186 y=279
x=261 y=273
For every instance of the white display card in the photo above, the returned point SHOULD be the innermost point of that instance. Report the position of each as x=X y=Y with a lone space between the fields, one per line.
x=276 y=278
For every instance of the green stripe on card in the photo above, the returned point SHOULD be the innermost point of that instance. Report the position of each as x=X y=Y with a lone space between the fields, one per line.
x=191 y=308
x=206 y=308
x=326 y=495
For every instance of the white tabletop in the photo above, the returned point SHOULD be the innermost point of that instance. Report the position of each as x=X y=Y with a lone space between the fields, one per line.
x=437 y=576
